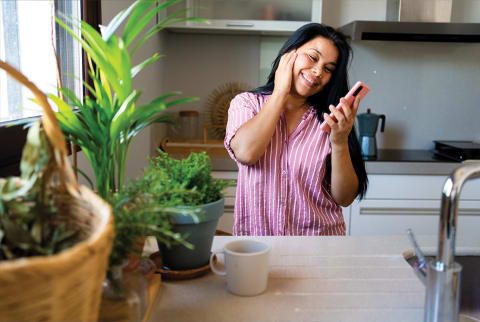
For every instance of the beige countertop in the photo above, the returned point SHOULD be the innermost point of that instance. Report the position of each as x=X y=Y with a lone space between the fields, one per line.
x=388 y=161
x=313 y=279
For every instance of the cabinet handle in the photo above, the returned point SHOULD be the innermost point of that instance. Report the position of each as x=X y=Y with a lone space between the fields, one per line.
x=239 y=24
x=414 y=211
x=228 y=208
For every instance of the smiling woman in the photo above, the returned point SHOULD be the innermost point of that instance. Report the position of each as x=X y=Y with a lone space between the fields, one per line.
x=27 y=38
x=294 y=176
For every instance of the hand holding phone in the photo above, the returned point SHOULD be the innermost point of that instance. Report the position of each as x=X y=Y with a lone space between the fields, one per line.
x=358 y=90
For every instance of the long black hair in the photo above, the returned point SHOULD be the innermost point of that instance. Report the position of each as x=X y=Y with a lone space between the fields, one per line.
x=336 y=88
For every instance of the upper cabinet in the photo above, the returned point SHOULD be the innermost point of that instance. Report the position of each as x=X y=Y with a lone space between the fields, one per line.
x=269 y=17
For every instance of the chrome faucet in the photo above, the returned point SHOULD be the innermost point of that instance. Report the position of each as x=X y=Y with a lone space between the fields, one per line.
x=442 y=276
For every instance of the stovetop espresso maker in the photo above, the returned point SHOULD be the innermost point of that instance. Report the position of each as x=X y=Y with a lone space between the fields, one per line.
x=367 y=126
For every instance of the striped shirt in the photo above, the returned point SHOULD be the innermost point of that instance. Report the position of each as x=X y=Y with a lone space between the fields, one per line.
x=282 y=193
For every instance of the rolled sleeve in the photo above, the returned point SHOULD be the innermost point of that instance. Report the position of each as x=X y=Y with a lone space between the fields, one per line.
x=242 y=108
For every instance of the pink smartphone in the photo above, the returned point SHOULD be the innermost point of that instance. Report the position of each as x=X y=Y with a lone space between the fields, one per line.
x=359 y=89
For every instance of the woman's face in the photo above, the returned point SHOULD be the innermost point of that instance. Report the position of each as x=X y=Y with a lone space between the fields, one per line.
x=313 y=68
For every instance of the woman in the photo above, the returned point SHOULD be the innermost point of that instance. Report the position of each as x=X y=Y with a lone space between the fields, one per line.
x=294 y=177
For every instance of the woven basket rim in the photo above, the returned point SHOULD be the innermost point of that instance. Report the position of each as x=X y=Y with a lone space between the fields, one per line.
x=66 y=254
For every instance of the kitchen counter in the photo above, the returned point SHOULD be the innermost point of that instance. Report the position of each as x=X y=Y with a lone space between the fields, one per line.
x=422 y=162
x=388 y=162
x=312 y=279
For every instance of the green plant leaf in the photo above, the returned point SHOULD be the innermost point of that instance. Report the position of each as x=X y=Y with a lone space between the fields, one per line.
x=96 y=55
x=136 y=69
x=64 y=109
x=121 y=119
x=138 y=11
x=164 y=23
x=181 y=101
x=94 y=39
x=144 y=112
x=71 y=96
x=164 y=118
x=108 y=31
x=85 y=176
x=119 y=58
x=163 y=97
x=142 y=22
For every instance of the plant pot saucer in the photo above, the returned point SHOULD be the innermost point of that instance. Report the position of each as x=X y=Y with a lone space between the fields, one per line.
x=170 y=274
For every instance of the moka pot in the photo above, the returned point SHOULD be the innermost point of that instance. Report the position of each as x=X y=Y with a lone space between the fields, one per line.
x=367 y=126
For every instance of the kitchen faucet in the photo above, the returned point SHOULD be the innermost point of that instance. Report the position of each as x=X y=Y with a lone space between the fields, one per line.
x=442 y=277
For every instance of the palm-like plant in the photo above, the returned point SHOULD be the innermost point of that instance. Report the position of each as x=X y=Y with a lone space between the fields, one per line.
x=108 y=118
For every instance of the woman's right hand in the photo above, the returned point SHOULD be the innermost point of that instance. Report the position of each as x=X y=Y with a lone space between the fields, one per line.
x=284 y=74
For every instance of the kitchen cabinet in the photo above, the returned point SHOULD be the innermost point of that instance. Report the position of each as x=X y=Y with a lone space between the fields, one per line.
x=272 y=17
x=393 y=204
x=396 y=202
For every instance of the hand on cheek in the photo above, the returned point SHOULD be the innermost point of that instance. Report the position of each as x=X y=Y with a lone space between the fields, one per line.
x=284 y=73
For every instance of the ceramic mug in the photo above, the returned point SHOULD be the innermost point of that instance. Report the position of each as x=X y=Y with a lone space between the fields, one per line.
x=246 y=266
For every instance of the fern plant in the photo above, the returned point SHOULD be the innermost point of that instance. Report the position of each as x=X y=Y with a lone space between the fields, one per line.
x=185 y=182
x=109 y=118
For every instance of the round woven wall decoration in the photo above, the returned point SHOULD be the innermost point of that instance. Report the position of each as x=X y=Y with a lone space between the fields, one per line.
x=218 y=102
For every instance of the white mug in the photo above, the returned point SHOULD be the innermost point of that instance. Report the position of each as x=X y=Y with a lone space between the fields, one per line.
x=246 y=266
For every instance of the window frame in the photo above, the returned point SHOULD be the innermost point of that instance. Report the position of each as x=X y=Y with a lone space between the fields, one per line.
x=13 y=138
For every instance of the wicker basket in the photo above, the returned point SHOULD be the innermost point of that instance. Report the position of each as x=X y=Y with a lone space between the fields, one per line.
x=66 y=286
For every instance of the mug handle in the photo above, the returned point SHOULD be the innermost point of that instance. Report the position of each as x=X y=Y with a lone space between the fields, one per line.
x=212 y=263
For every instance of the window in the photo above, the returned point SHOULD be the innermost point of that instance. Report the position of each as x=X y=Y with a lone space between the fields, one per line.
x=26 y=42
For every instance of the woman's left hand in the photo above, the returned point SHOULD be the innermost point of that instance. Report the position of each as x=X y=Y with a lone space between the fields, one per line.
x=345 y=116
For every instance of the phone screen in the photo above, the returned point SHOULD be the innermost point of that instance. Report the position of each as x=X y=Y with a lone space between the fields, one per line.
x=357 y=91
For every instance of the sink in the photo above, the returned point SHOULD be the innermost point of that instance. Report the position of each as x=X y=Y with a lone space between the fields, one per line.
x=469 y=285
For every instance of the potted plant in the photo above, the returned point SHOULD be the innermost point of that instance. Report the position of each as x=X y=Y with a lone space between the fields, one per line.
x=53 y=232
x=186 y=189
x=109 y=117
x=137 y=214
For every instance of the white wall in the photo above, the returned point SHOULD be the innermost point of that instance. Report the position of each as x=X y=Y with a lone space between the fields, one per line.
x=197 y=64
x=150 y=81
x=428 y=91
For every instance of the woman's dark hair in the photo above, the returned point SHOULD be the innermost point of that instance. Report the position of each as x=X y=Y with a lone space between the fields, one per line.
x=336 y=88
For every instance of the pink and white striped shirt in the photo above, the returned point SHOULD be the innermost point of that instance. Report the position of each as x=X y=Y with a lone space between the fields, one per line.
x=282 y=193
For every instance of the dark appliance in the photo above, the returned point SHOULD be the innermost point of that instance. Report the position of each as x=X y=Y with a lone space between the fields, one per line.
x=367 y=128
x=457 y=150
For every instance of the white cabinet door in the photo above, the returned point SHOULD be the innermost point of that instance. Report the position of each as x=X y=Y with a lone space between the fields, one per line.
x=396 y=202
x=415 y=187
x=225 y=223
x=387 y=217
x=346 y=216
